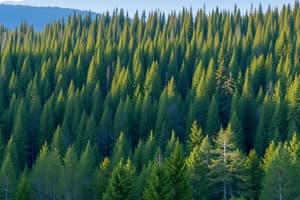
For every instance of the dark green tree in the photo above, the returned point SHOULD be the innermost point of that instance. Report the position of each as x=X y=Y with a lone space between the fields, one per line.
x=195 y=136
x=8 y=178
x=24 y=191
x=212 y=120
x=178 y=174
x=157 y=186
x=255 y=172
x=227 y=174
x=121 y=183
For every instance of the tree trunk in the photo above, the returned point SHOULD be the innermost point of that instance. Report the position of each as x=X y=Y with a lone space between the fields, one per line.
x=225 y=190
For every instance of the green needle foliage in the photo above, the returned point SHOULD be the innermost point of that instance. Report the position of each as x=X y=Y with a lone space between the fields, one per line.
x=200 y=106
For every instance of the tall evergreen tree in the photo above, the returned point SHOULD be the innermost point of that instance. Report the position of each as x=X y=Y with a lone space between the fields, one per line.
x=195 y=137
x=102 y=176
x=178 y=174
x=212 y=120
x=227 y=175
x=198 y=173
x=8 y=179
x=279 y=179
x=24 y=191
x=69 y=179
x=121 y=150
x=121 y=183
x=86 y=166
x=158 y=187
x=255 y=171
x=48 y=162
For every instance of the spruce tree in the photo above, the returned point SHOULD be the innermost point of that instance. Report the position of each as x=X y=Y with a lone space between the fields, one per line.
x=227 y=176
x=121 y=183
x=198 y=173
x=86 y=172
x=212 y=120
x=235 y=127
x=255 y=172
x=158 y=187
x=178 y=174
x=121 y=150
x=24 y=188
x=8 y=179
x=48 y=162
x=195 y=137
x=69 y=179
x=101 y=179
x=279 y=181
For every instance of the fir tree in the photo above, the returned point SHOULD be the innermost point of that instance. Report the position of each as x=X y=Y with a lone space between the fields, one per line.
x=255 y=171
x=195 y=137
x=279 y=179
x=227 y=175
x=213 y=120
x=178 y=174
x=24 y=188
x=158 y=187
x=48 y=162
x=199 y=173
x=121 y=183
x=8 y=179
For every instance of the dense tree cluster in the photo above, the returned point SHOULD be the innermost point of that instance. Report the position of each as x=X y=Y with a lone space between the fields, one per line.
x=184 y=106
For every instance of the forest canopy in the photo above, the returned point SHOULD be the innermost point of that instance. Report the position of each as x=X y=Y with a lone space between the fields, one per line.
x=180 y=106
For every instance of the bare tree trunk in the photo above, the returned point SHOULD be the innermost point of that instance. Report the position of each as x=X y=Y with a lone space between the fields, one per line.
x=225 y=160
x=225 y=190
x=280 y=189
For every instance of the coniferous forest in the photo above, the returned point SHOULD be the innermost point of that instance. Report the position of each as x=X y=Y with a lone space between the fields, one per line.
x=189 y=105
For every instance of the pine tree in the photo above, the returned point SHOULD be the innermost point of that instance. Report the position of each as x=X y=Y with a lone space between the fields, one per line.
x=8 y=179
x=35 y=110
x=102 y=176
x=212 y=120
x=58 y=141
x=11 y=149
x=69 y=179
x=86 y=172
x=178 y=174
x=147 y=120
x=279 y=181
x=199 y=173
x=121 y=150
x=121 y=123
x=138 y=156
x=24 y=188
x=264 y=127
x=235 y=127
x=48 y=162
x=47 y=126
x=141 y=181
x=158 y=187
x=255 y=171
x=20 y=135
x=153 y=81
x=106 y=138
x=121 y=183
x=293 y=96
x=248 y=113
x=150 y=148
x=280 y=118
x=227 y=176
x=195 y=137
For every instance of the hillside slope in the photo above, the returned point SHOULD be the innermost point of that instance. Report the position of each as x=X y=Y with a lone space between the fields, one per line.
x=12 y=15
